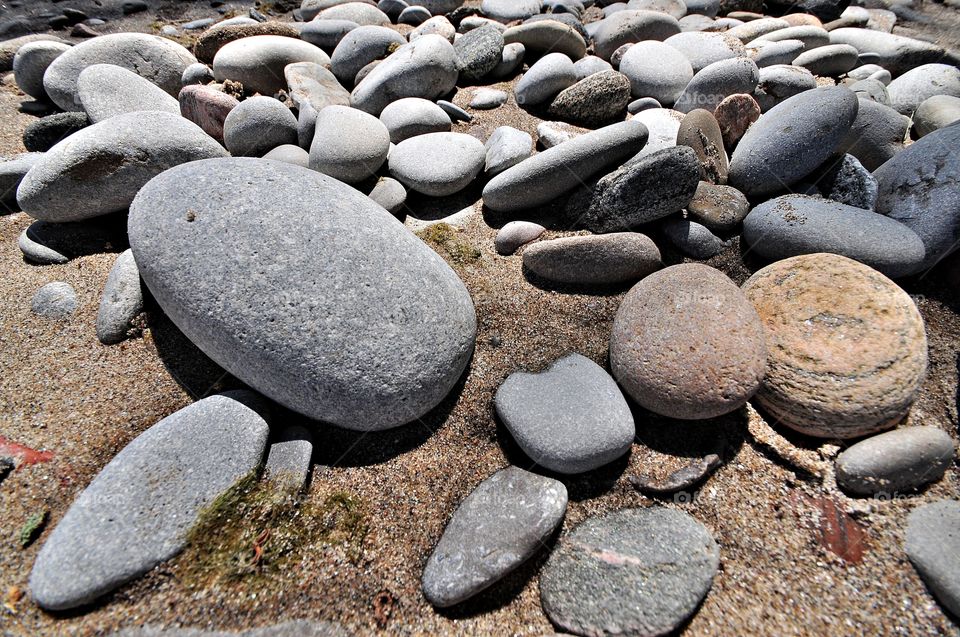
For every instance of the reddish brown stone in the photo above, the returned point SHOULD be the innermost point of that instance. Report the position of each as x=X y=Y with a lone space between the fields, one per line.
x=207 y=108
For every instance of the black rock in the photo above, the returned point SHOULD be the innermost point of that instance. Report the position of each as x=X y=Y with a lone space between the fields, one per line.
x=41 y=135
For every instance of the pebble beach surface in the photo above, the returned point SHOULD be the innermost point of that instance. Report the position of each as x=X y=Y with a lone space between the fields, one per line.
x=445 y=317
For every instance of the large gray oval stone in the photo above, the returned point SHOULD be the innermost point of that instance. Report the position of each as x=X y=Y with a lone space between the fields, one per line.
x=98 y=170
x=304 y=288
x=106 y=90
x=896 y=461
x=137 y=511
x=258 y=62
x=933 y=546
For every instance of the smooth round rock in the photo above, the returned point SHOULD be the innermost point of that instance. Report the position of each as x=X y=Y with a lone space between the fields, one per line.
x=509 y=10
x=257 y=62
x=909 y=90
x=478 y=52
x=487 y=98
x=291 y=154
x=812 y=36
x=412 y=116
x=515 y=234
x=830 y=60
x=687 y=344
x=56 y=300
x=159 y=60
x=797 y=224
x=692 y=239
x=766 y=53
x=397 y=327
x=511 y=59
x=222 y=33
x=895 y=462
x=847 y=347
x=12 y=172
x=597 y=99
x=642 y=104
x=360 y=12
x=717 y=81
x=700 y=131
x=43 y=134
x=437 y=25
x=326 y=34
x=656 y=70
x=390 y=194
x=570 y=418
x=545 y=79
x=639 y=572
x=612 y=258
x=547 y=36
x=587 y=66
x=935 y=113
x=424 y=68
x=31 y=62
x=628 y=26
x=876 y=135
x=438 y=164
x=781 y=82
x=348 y=144
x=663 y=124
x=933 y=546
x=703 y=49
x=360 y=47
x=896 y=53
x=414 y=16
x=45 y=243
x=106 y=90
x=788 y=142
x=506 y=148
x=9 y=48
x=754 y=29
x=121 y=302
x=257 y=125
x=99 y=169
x=718 y=207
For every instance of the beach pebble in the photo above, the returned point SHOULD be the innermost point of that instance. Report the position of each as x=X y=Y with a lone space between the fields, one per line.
x=437 y=25
x=257 y=62
x=798 y=224
x=876 y=135
x=812 y=36
x=848 y=182
x=505 y=520
x=718 y=207
x=847 y=347
x=390 y=194
x=895 y=462
x=654 y=187
x=788 y=142
x=555 y=171
x=674 y=8
x=933 y=546
x=105 y=90
x=393 y=8
x=629 y=26
x=830 y=60
x=221 y=34
x=360 y=47
x=295 y=628
x=663 y=125
x=159 y=60
x=717 y=81
x=472 y=22
x=424 y=68
x=55 y=300
x=437 y=164
x=872 y=90
x=12 y=172
x=866 y=71
x=749 y=31
x=287 y=466
x=598 y=99
x=687 y=344
x=511 y=60
x=478 y=52
x=708 y=8
x=699 y=130
x=515 y=234
x=207 y=107
x=382 y=365
x=550 y=134
x=639 y=572
x=326 y=34
x=257 y=125
x=312 y=83
x=734 y=115
x=569 y=418
x=656 y=70
x=360 y=12
x=618 y=257
x=138 y=509
x=42 y=134
x=505 y=148
x=642 y=104
x=104 y=165
x=587 y=66
x=348 y=144
x=488 y=98
x=197 y=73
x=547 y=36
x=291 y=154
x=509 y=10
x=46 y=243
x=31 y=62
x=454 y=112
x=10 y=48
x=412 y=116
x=935 y=113
x=896 y=53
x=909 y=90
x=414 y=16
x=692 y=239
x=766 y=53
x=703 y=48
x=545 y=79
x=780 y=82
x=122 y=300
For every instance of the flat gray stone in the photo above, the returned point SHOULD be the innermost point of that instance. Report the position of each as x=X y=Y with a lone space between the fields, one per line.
x=798 y=224
x=105 y=90
x=511 y=59
x=895 y=462
x=693 y=239
x=598 y=99
x=547 y=36
x=159 y=60
x=716 y=81
x=812 y=36
x=765 y=53
x=705 y=48
x=656 y=70
x=570 y=418
x=935 y=113
x=478 y=52
x=31 y=62
x=390 y=194
x=258 y=61
x=498 y=527
x=545 y=79
x=933 y=546
x=257 y=125
x=487 y=98
x=749 y=31
x=348 y=144
x=55 y=300
x=635 y=572
x=360 y=47
x=411 y=116
x=122 y=300
x=198 y=73
x=830 y=60
x=397 y=326
x=326 y=34
x=12 y=173
x=509 y=10
x=896 y=53
x=909 y=90
x=288 y=459
x=718 y=207
x=515 y=234
x=780 y=82
x=632 y=26
x=456 y=113
x=618 y=257
x=424 y=68
x=437 y=164
x=42 y=134
x=313 y=84
x=359 y=12
x=876 y=135
x=137 y=511
x=788 y=142
x=506 y=148
x=102 y=167
x=587 y=66
x=555 y=171
x=310 y=9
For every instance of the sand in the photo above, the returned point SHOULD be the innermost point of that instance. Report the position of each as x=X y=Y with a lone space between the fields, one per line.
x=781 y=565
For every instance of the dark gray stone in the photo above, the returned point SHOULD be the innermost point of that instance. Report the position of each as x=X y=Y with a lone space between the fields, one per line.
x=42 y=134
x=876 y=135
x=846 y=181
x=545 y=79
x=896 y=53
x=632 y=26
x=498 y=527
x=570 y=418
x=633 y=572
x=780 y=82
x=831 y=60
x=360 y=47
x=895 y=462
x=45 y=243
x=12 y=173
x=716 y=81
x=617 y=257
x=198 y=73
x=597 y=99
x=935 y=113
x=548 y=36
x=122 y=300
x=55 y=300
x=137 y=511
x=105 y=90
x=693 y=239
x=478 y=52
x=718 y=207
x=414 y=16
x=326 y=34
x=933 y=546
x=397 y=327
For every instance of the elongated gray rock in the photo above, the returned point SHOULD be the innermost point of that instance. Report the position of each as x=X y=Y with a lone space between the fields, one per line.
x=547 y=36
x=705 y=48
x=509 y=10
x=548 y=76
x=780 y=82
x=896 y=53
x=411 y=116
x=628 y=26
x=326 y=34
x=99 y=169
x=360 y=47
x=31 y=62
x=137 y=511
x=766 y=53
x=569 y=418
x=45 y=243
x=105 y=90
x=692 y=239
x=424 y=68
x=601 y=259
x=935 y=113
x=515 y=234
x=933 y=546
x=876 y=135
x=797 y=224
x=788 y=142
x=12 y=173
x=555 y=171
x=438 y=164
x=716 y=81
x=895 y=462
x=121 y=302
x=498 y=527
x=159 y=60
x=258 y=62
x=833 y=59
x=390 y=326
